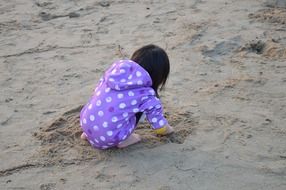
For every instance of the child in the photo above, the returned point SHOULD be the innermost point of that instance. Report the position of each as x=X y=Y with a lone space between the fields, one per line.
x=128 y=89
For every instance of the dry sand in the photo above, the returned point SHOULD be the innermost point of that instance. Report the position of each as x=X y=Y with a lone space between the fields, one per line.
x=226 y=95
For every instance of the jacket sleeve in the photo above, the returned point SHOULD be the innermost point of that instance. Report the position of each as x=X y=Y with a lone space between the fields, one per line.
x=154 y=112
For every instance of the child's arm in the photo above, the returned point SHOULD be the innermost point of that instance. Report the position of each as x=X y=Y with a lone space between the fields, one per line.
x=154 y=114
x=164 y=130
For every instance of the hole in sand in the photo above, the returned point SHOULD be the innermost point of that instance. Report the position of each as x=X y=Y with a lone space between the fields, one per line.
x=61 y=143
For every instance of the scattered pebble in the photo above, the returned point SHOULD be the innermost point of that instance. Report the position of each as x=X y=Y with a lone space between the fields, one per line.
x=249 y=136
x=104 y=4
x=63 y=180
x=48 y=112
x=74 y=15
x=8 y=100
x=268 y=120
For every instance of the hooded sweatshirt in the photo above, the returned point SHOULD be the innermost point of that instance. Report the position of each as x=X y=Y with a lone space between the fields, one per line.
x=109 y=116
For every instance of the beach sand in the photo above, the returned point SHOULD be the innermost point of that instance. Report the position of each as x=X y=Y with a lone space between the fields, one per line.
x=225 y=97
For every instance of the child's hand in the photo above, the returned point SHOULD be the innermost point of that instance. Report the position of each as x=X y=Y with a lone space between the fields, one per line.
x=164 y=130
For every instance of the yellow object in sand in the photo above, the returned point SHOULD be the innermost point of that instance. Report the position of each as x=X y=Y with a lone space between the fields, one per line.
x=161 y=131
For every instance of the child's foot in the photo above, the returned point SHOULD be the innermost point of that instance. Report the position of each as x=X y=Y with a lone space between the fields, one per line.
x=132 y=139
x=83 y=136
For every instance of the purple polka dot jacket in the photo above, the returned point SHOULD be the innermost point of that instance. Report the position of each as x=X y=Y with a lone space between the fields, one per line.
x=109 y=116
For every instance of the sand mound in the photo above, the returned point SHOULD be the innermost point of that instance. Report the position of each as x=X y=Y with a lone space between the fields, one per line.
x=271 y=15
x=61 y=143
x=269 y=49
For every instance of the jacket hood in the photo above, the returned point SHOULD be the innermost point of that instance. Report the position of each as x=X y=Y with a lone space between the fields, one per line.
x=127 y=74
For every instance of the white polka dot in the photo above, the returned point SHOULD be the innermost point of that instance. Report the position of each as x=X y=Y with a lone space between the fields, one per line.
x=104 y=147
x=105 y=124
x=120 y=125
x=102 y=138
x=152 y=92
x=110 y=144
x=91 y=117
x=80 y=123
x=123 y=80
x=138 y=73
x=151 y=107
x=130 y=77
x=124 y=137
x=91 y=142
x=98 y=103
x=109 y=133
x=90 y=106
x=113 y=71
x=130 y=93
x=144 y=98
x=122 y=105
x=95 y=128
x=84 y=121
x=158 y=106
x=107 y=90
x=130 y=130
x=117 y=87
x=111 y=79
x=98 y=93
x=130 y=83
x=154 y=120
x=100 y=113
x=114 y=119
x=125 y=114
x=120 y=96
x=161 y=122
x=134 y=102
x=139 y=82
x=135 y=110
x=122 y=71
x=96 y=140
x=108 y=99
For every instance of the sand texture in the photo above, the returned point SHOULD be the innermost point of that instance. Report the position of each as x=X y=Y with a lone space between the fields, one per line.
x=225 y=98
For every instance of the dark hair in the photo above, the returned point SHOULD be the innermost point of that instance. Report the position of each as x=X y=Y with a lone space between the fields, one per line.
x=156 y=62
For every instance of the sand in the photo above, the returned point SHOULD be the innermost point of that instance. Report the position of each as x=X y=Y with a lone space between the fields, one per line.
x=226 y=95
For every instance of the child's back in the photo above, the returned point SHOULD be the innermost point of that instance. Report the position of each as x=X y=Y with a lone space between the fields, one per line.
x=124 y=92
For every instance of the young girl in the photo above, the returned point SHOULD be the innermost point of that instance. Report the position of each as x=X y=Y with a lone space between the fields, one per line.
x=128 y=89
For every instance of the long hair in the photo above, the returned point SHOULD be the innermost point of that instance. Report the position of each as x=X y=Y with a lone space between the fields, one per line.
x=156 y=62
